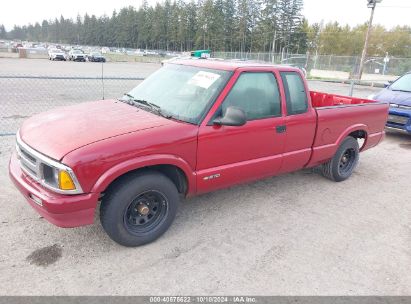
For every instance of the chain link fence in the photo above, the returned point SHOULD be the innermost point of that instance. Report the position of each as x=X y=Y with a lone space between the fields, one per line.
x=22 y=96
x=346 y=66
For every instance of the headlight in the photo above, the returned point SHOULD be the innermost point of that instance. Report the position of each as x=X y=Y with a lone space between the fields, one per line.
x=58 y=178
x=48 y=172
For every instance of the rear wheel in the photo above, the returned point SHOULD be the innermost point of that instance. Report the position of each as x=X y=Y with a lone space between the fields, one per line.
x=139 y=208
x=342 y=165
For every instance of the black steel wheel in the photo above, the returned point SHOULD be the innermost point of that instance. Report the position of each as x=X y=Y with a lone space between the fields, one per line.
x=342 y=165
x=347 y=161
x=145 y=212
x=139 y=207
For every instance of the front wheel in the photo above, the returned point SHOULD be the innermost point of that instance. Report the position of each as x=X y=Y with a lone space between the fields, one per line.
x=139 y=208
x=342 y=165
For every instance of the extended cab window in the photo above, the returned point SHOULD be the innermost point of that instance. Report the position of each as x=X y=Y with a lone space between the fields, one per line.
x=295 y=93
x=256 y=94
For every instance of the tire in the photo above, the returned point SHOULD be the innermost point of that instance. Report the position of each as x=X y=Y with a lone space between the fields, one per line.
x=125 y=209
x=342 y=165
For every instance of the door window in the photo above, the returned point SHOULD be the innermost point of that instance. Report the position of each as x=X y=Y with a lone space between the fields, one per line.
x=256 y=94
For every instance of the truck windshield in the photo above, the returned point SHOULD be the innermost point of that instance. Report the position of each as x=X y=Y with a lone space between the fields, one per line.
x=403 y=84
x=182 y=92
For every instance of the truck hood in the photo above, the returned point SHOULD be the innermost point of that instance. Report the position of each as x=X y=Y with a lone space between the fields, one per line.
x=397 y=97
x=58 y=132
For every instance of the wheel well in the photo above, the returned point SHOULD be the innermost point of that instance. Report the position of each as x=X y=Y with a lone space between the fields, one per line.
x=175 y=174
x=360 y=136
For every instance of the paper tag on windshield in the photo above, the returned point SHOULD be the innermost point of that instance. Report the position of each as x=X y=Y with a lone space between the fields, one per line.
x=203 y=79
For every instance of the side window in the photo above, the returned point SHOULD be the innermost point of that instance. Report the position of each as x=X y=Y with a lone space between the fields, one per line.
x=256 y=94
x=295 y=93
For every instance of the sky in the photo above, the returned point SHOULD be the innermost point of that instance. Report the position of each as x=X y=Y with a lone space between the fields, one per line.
x=388 y=13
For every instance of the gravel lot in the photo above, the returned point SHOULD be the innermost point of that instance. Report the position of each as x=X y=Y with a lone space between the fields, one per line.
x=296 y=234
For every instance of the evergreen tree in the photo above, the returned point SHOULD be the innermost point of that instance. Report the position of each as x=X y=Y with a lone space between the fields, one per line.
x=219 y=25
x=3 y=33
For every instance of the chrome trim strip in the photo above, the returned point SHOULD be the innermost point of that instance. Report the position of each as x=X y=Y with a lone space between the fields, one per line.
x=47 y=161
x=397 y=106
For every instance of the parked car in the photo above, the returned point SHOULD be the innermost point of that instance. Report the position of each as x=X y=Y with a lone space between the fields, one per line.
x=398 y=95
x=303 y=70
x=96 y=57
x=197 y=126
x=77 y=55
x=57 y=54
x=172 y=59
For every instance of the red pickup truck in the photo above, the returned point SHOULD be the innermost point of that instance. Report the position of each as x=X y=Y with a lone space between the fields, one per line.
x=192 y=127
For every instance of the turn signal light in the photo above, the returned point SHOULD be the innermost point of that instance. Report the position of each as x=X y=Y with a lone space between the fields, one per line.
x=65 y=181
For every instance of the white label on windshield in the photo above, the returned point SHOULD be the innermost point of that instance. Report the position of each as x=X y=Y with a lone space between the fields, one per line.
x=203 y=79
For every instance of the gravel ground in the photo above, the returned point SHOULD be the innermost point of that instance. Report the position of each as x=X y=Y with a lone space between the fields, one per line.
x=295 y=234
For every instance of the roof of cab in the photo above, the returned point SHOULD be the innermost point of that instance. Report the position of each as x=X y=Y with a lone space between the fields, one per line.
x=229 y=65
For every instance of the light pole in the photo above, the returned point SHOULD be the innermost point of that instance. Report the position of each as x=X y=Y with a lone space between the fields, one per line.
x=370 y=4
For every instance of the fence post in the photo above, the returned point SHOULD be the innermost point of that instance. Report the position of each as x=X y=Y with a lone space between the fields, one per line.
x=351 y=87
x=102 y=78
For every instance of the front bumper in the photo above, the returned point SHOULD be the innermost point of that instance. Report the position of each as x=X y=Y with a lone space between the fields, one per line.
x=61 y=210
x=59 y=57
x=97 y=59
x=401 y=121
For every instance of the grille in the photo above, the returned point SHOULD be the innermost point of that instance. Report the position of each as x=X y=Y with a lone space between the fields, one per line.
x=28 y=162
x=401 y=120
x=42 y=168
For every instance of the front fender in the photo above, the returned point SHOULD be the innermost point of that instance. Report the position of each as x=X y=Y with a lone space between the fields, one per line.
x=145 y=161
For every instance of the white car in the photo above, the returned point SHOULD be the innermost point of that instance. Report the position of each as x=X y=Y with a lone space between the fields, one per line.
x=57 y=54
x=77 y=55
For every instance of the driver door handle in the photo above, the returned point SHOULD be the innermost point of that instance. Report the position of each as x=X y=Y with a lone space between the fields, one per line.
x=281 y=129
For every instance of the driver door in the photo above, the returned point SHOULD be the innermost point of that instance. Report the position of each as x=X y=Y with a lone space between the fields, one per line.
x=228 y=155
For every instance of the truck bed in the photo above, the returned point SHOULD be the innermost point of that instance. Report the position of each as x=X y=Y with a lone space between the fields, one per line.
x=320 y=100
x=341 y=116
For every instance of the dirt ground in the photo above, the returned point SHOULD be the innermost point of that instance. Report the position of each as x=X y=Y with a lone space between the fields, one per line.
x=295 y=234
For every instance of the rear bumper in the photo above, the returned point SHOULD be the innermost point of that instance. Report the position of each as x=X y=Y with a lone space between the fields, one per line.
x=61 y=210
x=372 y=140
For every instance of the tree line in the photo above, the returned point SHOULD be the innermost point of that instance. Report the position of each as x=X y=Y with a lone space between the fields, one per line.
x=219 y=25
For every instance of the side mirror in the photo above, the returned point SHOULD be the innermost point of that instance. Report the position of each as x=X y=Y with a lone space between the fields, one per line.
x=233 y=117
x=388 y=84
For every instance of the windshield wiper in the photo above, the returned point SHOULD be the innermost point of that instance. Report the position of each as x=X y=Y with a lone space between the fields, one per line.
x=146 y=103
x=398 y=90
